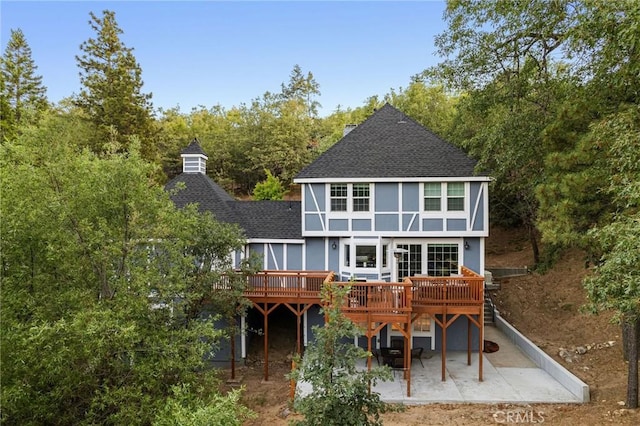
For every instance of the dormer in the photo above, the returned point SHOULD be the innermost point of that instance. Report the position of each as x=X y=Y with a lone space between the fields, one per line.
x=194 y=160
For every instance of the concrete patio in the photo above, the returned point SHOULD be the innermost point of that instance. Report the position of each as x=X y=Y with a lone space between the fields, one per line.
x=510 y=376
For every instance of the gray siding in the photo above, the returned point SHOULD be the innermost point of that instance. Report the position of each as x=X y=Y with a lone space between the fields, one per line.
x=410 y=222
x=275 y=257
x=313 y=222
x=386 y=222
x=338 y=225
x=456 y=224
x=478 y=220
x=411 y=197
x=361 y=224
x=314 y=318
x=294 y=256
x=432 y=224
x=386 y=197
x=319 y=193
x=472 y=255
x=315 y=259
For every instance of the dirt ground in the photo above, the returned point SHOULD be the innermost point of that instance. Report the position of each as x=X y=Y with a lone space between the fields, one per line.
x=546 y=308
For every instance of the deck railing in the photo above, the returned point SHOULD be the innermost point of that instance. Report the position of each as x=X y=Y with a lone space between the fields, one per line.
x=287 y=284
x=378 y=298
x=467 y=289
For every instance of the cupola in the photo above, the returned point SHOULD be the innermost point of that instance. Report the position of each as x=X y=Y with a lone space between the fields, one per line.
x=194 y=160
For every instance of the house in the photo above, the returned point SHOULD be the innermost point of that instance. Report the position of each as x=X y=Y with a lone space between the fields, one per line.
x=391 y=202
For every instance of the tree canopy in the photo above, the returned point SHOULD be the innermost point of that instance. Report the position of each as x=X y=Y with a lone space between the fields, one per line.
x=111 y=93
x=23 y=94
x=100 y=275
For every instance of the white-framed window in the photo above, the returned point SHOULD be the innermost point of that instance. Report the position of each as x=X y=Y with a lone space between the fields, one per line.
x=350 y=197
x=455 y=196
x=410 y=262
x=347 y=255
x=365 y=256
x=366 y=253
x=339 y=196
x=432 y=196
x=423 y=326
x=361 y=197
x=385 y=255
x=442 y=260
x=436 y=258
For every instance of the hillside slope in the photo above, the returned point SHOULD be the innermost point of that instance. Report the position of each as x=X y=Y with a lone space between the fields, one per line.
x=547 y=309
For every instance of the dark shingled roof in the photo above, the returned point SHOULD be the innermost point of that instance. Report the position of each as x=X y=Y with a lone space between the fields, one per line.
x=271 y=219
x=390 y=145
x=193 y=148
x=259 y=219
x=201 y=189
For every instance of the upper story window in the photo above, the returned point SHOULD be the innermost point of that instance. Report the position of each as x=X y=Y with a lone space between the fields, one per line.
x=432 y=195
x=359 y=201
x=360 y=197
x=455 y=196
x=339 y=194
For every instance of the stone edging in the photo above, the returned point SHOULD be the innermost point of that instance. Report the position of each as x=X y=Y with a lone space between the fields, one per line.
x=576 y=386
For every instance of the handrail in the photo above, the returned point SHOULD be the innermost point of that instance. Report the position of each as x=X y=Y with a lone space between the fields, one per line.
x=452 y=291
x=467 y=289
x=378 y=297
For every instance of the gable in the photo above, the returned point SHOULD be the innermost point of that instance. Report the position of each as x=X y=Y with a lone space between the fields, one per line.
x=390 y=145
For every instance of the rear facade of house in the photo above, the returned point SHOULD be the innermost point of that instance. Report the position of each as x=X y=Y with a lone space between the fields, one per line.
x=390 y=200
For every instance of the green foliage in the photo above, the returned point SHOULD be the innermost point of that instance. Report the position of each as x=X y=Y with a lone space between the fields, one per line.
x=269 y=189
x=537 y=75
x=183 y=410
x=430 y=105
x=340 y=392
x=111 y=93
x=304 y=88
x=616 y=283
x=23 y=96
x=99 y=279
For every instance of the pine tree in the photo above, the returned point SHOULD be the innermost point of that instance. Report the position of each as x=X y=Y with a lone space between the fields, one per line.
x=112 y=86
x=23 y=95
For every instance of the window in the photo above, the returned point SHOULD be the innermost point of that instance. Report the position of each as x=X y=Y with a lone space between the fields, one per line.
x=442 y=259
x=360 y=197
x=365 y=256
x=422 y=324
x=347 y=255
x=339 y=197
x=385 y=256
x=432 y=193
x=410 y=263
x=455 y=196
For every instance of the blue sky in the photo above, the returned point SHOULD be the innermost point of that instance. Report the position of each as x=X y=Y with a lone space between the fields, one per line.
x=213 y=52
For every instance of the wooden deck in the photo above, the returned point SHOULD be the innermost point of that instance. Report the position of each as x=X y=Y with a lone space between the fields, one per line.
x=286 y=286
x=374 y=305
x=421 y=294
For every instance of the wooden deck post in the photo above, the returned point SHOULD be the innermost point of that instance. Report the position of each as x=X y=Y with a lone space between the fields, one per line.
x=266 y=342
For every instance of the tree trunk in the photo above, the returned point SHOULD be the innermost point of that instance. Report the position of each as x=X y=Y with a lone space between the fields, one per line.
x=533 y=239
x=233 y=355
x=630 y=344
